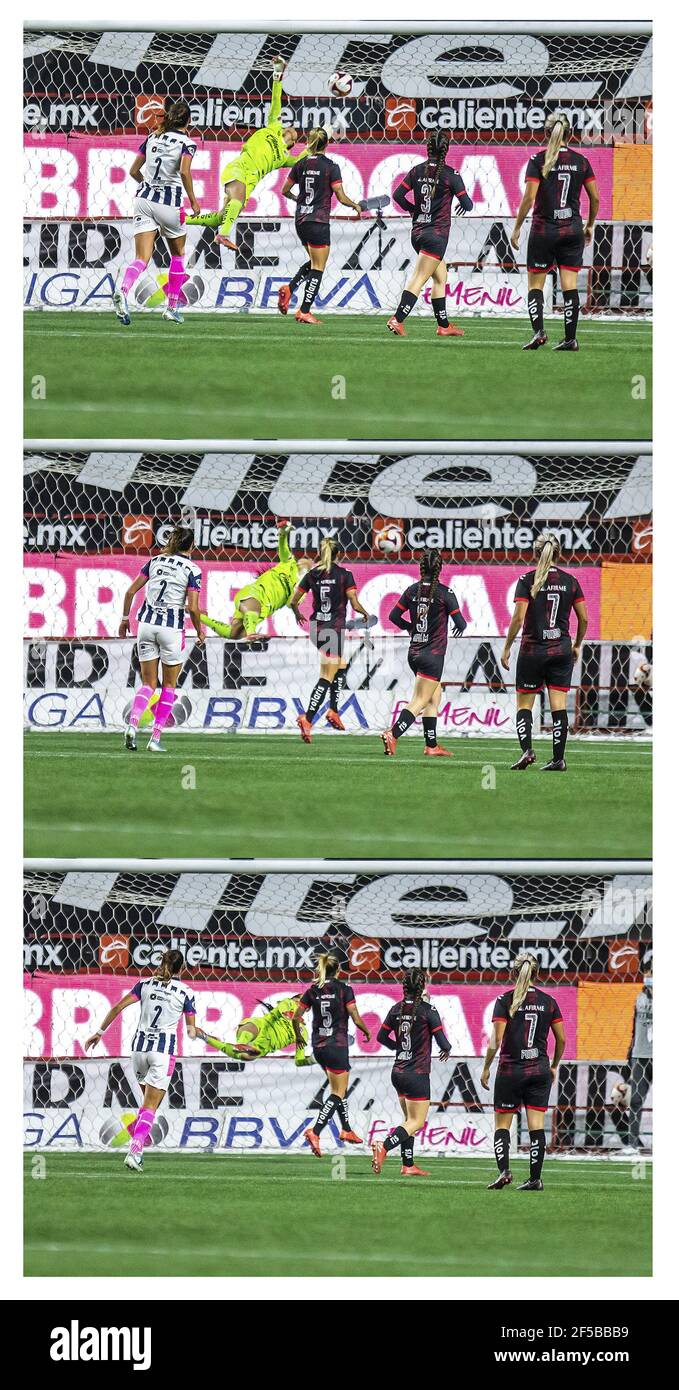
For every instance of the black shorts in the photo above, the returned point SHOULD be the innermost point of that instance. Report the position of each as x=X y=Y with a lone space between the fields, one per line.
x=426 y=663
x=411 y=1085
x=427 y=242
x=316 y=234
x=327 y=639
x=555 y=245
x=515 y=1086
x=332 y=1058
x=537 y=666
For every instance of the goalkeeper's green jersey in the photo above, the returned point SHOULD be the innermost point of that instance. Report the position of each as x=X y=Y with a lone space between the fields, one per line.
x=275 y=1029
x=266 y=150
x=278 y=584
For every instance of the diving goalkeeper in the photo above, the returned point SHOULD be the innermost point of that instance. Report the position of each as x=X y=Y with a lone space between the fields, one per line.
x=262 y=153
x=258 y=1037
x=271 y=591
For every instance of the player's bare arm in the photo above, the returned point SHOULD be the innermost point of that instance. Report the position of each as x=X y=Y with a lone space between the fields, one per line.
x=529 y=194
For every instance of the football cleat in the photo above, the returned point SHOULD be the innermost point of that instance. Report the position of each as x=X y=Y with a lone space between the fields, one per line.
x=533 y=1185
x=284 y=297
x=503 y=1181
x=348 y=1137
x=395 y=327
x=379 y=1155
x=304 y=728
x=314 y=1142
x=556 y=765
x=120 y=305
x=172 y=315
x=225 y=241
x=437 y=752
x=131 y=739
x=414 y=1172
x=301 y=317
x=135 y=1163
x=450 y=331
x=155 y=746
x=538 y=340
x=526 y=760
x=389 y=743
x=334 y=720
x=567 y=345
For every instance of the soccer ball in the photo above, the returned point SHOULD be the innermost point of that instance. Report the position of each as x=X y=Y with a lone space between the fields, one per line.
x=390 y=539
x=621 y=1095
x=340 y=84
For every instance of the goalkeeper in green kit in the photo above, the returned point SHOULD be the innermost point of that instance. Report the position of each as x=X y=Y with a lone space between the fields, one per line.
x=257 y=601
x=258 y=1037
x=266 y=150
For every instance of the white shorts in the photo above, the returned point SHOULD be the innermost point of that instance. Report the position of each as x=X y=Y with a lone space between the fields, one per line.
x=158 y=217
x=166 y=644
x=153 y=1068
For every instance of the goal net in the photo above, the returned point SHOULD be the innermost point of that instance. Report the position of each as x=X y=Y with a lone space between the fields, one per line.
x=91 y=95
x=92 y=517
x=251 y=938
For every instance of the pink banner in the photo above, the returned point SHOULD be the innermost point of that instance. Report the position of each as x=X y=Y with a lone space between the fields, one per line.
x=82 y=596
x=63 y=1011
x=78 y=176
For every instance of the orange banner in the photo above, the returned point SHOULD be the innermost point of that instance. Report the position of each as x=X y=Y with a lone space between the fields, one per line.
x=605 y=1021
x=633 y=183
x=626 y=602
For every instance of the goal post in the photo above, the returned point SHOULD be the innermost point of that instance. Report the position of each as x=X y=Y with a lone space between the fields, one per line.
x=250 y=931
x=92 y=93
x=93 y=512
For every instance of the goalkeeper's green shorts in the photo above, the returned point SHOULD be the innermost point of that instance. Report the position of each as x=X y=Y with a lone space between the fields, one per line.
x=245 y=172
x=257 y=1042
x=258 y=592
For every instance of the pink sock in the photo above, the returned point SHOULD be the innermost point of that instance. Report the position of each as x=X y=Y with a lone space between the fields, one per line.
x=139 y=703
x=162 y=710
x=142 y=1127
x=132 y=273
x=176 y=278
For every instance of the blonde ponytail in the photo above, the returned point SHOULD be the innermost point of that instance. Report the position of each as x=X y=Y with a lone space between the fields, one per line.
x=559 y=128
x=527 y=966
x=317 y=140
x=543 y=567
x=326 y=964
x=327 y=550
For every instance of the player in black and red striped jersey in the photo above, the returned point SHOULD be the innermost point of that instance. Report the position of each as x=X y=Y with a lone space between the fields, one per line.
x=409 y=1030
x=543 y=602
x=523 y=1019
x=427 y=194
x=430 y=606
x=331 y=587
x=332 y=1003
x=555 y=178
x=317 y=180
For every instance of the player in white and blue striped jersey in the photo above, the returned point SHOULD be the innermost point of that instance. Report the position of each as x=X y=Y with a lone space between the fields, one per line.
x=172 y=581
x=162 y=169
x=164 y=1001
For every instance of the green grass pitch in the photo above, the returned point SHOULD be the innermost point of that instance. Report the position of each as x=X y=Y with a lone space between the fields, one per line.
x=269 y=794
x=287 y=1215
x=242 y=376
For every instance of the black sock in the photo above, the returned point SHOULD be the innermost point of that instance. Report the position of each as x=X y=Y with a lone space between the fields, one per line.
x=524 y=729
x=571 y=310
x=440 y=311
x=325 y=1113
x=536 y=310
x=299 y=276
x=501 y=1148
x=402 y=724
x=408 y=1152
x=317 y=697
x=400 y=1136
x=408 y=301
x=559 y=733
x=429 y=729
x=537 y=1153
x=338 y=683
x=313 y=284
x=343 y=1111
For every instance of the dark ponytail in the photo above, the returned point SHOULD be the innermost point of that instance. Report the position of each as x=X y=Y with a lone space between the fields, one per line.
x=172 y=963
x=430 y=569
x=179 y=541
x=414 y=983
x=174 y=117
x=437 y=149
